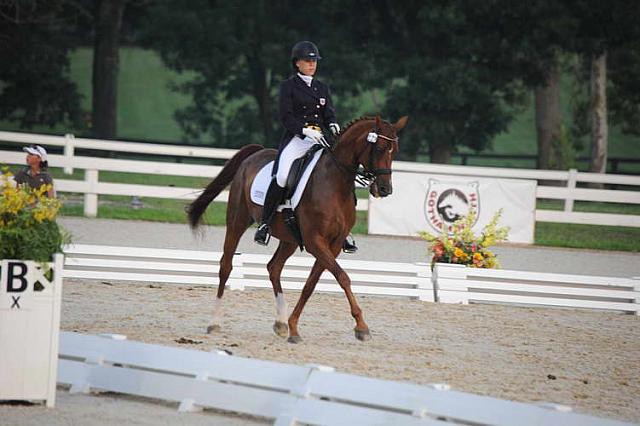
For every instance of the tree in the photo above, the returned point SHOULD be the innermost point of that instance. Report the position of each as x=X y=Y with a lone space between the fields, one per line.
x=35 y=40
x=624 y=102
x=239 y=52
x=441 y=78
x=106 y=66
x=528 y=41
x=603 y=29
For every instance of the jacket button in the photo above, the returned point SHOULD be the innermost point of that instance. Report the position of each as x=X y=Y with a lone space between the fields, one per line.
x=315 y=115
x=317 y=106
x=304 y=107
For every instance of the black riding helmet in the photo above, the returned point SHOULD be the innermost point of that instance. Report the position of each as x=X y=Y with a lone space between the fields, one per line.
x=304 y=50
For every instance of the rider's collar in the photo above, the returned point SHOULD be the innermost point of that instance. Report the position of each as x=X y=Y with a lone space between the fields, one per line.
x=306 y=78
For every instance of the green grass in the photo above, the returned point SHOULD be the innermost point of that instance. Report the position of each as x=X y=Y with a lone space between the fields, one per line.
x=587 y=236
x=546 y=234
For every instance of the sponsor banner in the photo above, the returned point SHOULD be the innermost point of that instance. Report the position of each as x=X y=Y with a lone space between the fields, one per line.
x=427 y=202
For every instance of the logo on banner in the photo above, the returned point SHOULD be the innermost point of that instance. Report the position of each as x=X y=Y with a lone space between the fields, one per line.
x=448 y=201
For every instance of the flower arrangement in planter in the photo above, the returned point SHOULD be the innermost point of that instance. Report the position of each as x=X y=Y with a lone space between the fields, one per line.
x=463 y=246
x=28 y=228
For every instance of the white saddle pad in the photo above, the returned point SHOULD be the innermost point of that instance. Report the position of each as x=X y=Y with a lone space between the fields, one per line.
x=263 y=179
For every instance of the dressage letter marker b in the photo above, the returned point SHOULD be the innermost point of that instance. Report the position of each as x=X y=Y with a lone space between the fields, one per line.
x=29 y=328
x=15 y=279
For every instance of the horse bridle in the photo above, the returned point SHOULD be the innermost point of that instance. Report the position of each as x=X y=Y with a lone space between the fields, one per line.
x=367 y=175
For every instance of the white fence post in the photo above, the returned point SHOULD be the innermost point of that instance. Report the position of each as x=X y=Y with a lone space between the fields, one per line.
x=448 y=277
x=69 y=150
x=636 y=288
x=91 y=196
x=571 y=185
x=425 y=281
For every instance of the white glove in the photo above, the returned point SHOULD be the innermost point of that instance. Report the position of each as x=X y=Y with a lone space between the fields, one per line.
x=312 y=134
x=335 y=128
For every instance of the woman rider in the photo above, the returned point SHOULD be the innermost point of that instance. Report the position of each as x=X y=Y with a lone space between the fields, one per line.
x=305 y=109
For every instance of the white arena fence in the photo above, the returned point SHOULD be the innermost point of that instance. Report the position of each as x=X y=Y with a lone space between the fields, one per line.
x=448 y=284
x=289 y=394
x=92 y=187
x=249 y=270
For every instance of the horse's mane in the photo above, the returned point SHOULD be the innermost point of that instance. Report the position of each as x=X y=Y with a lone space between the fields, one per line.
x=355 y=121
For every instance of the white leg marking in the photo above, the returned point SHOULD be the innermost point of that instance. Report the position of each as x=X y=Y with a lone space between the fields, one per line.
x=217 y=311
x=281 y=308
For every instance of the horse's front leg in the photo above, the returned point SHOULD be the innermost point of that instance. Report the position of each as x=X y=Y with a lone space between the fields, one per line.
x=327 y=258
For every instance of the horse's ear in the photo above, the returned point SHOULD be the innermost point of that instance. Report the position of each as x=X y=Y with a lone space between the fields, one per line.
x=401 y=123
x=378 y=122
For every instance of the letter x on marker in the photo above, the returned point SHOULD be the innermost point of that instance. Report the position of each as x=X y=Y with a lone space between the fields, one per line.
x=15 y=302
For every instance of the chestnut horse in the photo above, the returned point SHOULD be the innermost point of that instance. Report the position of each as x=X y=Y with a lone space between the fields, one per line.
x=326 y=212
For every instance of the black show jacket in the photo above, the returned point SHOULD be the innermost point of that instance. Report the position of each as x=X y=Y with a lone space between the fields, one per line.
x=301 y=105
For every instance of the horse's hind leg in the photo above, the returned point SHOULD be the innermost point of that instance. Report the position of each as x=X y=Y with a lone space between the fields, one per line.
x=275 y=265
x=307 y=290
x=238 y=220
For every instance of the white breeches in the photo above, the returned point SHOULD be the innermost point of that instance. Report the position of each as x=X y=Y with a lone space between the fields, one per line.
x=296 y=148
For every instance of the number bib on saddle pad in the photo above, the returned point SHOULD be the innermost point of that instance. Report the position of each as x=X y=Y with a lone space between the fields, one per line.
x=263 y=178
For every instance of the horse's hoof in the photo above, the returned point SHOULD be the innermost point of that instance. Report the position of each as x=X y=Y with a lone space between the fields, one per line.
x=363 y=335
x=294 y=339
x=281 y=328
x=213 y=328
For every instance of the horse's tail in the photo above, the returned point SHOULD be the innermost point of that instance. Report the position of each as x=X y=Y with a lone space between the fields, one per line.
x=196 y=209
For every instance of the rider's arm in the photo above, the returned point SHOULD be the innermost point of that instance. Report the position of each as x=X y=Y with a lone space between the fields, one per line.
x=287 y=117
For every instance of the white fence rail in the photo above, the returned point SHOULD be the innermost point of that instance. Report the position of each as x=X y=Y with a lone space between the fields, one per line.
x=92 y=187
x=459 y=284
x=288 y=394
x=449 y=283
x=249 y=270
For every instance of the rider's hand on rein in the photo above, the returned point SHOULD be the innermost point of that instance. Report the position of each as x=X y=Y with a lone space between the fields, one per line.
x=312 y=134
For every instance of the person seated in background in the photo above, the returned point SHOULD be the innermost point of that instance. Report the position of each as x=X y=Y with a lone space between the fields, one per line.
x=35 y=174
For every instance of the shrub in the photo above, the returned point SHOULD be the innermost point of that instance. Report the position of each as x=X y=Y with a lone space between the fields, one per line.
x=28 y=228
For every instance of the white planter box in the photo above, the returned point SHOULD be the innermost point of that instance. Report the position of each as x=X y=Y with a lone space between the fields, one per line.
x=29 y=329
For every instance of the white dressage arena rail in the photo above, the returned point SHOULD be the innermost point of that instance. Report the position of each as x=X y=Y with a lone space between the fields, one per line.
x=289 y=394
x=458 y=284
x=91 y=187
x=448 y=284
x=249 y=270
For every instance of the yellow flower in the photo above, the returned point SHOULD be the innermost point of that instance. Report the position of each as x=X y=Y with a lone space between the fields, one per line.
x=452 y=240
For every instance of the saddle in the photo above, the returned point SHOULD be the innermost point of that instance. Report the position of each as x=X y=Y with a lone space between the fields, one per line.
x=297 y=169
x=295 y=175
x=296 y=181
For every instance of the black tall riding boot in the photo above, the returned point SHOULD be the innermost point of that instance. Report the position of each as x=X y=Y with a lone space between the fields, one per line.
x=349 y=246
x=271 y=201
